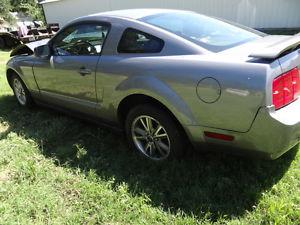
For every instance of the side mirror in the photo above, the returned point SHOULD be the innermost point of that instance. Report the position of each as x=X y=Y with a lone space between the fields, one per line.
x=42 y=51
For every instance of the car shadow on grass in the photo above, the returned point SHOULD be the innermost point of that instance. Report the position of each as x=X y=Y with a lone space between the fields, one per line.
x=214 y=183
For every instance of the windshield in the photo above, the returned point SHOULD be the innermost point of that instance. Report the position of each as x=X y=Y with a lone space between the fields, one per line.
x=213 y=34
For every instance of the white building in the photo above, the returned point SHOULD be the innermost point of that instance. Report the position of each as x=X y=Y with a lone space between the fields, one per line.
x=253 y=13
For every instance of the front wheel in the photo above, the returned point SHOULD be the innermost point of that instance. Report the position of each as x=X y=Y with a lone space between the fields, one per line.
x=152 y=132
x=20 y=91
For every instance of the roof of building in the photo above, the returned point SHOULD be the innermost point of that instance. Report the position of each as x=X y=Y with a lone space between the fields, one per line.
x=47 y=1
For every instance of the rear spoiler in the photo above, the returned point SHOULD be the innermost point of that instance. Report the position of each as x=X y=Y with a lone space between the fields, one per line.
x=278 y=49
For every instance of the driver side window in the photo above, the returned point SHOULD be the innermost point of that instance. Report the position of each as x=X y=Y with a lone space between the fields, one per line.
x=83 y=39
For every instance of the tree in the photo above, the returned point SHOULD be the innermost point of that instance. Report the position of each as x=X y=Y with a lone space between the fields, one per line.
x=28 y=7
x=5 y=8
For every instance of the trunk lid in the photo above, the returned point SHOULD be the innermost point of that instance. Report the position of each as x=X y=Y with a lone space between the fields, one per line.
x=266 y=49
x=272 y=49
x=284 y=48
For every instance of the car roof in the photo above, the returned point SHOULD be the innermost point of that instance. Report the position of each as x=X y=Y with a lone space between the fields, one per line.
x=135 y=13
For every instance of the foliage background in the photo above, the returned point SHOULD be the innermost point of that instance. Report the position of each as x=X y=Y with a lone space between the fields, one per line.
x=28 y=7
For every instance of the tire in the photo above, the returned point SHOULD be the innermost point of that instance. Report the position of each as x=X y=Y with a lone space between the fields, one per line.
x=20 y=91
x=164 y=141
x=2 y=43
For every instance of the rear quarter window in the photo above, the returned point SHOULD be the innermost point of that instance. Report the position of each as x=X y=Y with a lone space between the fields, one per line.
x=135 y=41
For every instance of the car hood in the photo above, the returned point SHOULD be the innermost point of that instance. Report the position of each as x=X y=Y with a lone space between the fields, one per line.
x=28 y=49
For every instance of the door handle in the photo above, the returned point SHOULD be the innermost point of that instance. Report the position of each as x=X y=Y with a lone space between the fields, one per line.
x=83 y=71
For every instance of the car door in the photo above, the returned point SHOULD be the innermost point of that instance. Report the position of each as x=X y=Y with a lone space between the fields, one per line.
x=67 y=78
x=121 y=63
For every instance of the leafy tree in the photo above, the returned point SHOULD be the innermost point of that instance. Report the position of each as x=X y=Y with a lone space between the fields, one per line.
x=5 y=8
x=28 y=7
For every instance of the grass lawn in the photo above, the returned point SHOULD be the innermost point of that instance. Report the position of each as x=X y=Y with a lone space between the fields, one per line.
x=58 y=170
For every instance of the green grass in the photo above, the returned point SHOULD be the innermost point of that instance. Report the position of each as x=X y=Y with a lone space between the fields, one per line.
x=58 y=170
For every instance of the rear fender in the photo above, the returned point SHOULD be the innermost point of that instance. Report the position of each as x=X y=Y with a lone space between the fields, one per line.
x=155 y=88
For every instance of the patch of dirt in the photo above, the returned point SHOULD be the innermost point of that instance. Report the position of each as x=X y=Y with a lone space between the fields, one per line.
x=5 y=176
x=4 y=127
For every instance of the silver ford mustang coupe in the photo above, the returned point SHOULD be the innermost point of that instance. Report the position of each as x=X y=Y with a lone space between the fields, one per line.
x=169 y=78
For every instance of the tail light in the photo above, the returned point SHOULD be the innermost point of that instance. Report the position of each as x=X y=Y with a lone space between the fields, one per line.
x=286 y=88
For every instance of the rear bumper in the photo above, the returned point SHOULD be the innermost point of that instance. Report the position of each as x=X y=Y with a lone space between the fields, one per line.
x=272 y=133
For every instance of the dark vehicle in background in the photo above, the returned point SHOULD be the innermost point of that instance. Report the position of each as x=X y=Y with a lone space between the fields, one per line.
x=8 y=40
x=13 y=38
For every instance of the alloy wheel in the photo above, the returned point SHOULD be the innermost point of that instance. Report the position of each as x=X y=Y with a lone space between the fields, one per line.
x=151 y=138
x=19 y=91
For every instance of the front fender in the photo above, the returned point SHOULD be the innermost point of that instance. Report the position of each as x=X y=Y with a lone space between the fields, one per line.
x=157 y=89
x=22 y=65
x=12 y=66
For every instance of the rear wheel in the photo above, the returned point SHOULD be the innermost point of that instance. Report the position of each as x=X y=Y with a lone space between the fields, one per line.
x=153 y=133
x=20 y=91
